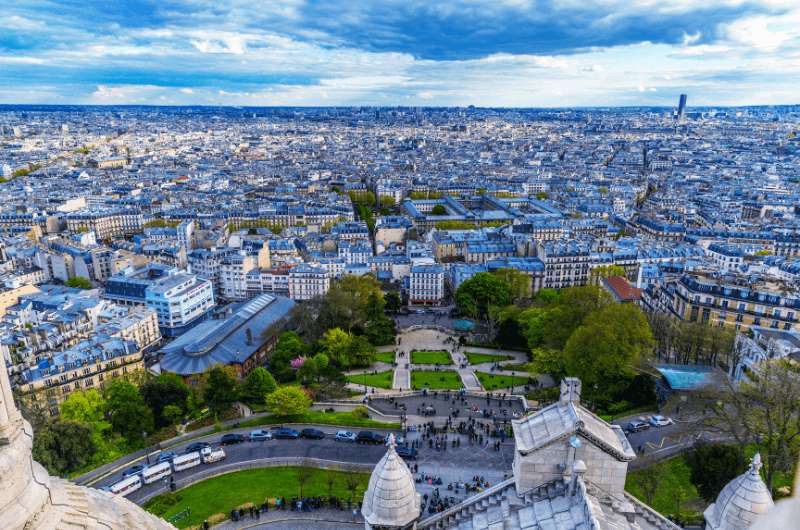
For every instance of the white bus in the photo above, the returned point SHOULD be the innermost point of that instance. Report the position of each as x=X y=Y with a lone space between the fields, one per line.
x=153 y=473
x=126 y=485
x=179 y=463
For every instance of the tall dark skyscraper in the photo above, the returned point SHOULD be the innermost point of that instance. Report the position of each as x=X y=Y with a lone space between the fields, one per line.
x=681 y=106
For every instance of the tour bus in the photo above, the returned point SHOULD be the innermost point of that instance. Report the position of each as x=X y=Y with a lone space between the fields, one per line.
x=126 y=486
x=179 y=463
x=153 y=473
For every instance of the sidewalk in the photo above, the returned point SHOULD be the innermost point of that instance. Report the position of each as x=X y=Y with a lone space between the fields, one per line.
x=317 y=519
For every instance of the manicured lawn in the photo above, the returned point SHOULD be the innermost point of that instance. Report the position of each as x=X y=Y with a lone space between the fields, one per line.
x=442 y=380
x=493 y=381
x=380 y=380
x=478 y=358
x=385 y=357
x=348 y=419
x=223 y=493
x=431 y=357
x=674 y=482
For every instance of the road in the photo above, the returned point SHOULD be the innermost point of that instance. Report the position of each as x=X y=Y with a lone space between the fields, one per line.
x=454 y=464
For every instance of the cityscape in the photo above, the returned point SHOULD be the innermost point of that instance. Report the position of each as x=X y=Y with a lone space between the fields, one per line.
x=407 y=305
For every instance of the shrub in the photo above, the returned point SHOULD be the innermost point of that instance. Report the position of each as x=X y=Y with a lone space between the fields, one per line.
x=217 y=518
x=360 y=412
x=713 y=466
x=161 y=503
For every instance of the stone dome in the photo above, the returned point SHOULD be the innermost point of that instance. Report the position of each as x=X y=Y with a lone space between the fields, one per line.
x=391 y=499
x=741 y=501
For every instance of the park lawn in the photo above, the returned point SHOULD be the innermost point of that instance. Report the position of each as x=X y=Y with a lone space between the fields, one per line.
x=442 y=380
x=439 y=357
x=479 y=358
x=674 y=481
x=491 y=382
x=345 y=419
x=223 y=493
x=385 y=357
x=379 y=380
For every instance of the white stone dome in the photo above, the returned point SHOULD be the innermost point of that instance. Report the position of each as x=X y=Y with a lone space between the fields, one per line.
x=741 y=501
x=391 y=499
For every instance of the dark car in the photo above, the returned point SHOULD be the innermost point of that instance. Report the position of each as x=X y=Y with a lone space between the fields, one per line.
x=197 y=446
x=133 y=470
x=232 y=438
x=636 y=426
x=166 y=456
x=367 y=437
x=314 y=434
x=409 y=453
x=285 y=433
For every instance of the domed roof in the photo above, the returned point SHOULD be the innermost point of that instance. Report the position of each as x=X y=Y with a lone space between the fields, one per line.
x=391 y=499
x=740 y=501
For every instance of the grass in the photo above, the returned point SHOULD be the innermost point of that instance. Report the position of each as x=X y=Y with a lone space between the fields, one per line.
x=385 y=357
x=223 y=493
x=478 y=358
x=379 y=380
x=439 y=357
x=674 y=482
x=443 y=380
x=346 y=419
x=494 y=381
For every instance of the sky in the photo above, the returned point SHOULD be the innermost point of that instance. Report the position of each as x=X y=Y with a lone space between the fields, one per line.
x=510 y=53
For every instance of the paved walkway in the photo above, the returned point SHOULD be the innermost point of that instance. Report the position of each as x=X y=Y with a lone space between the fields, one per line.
x=280 y=519
x=402 y=375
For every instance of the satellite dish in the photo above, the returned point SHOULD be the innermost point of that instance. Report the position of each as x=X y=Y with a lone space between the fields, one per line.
x=575 y=442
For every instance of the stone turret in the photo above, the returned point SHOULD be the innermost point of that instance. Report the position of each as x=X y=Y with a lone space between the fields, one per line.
x=741 y=501
x=30 y=499
x=391 y=501
x=570 y=391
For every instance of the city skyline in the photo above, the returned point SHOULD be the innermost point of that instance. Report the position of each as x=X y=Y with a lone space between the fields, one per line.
x=488 y=54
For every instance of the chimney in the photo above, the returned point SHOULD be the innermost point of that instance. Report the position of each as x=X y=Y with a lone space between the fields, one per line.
x=570 y=391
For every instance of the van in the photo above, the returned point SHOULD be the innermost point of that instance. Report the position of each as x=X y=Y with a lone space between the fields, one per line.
x=213 y=455
x=126 y=486
x=153 y=473
x=179 y=463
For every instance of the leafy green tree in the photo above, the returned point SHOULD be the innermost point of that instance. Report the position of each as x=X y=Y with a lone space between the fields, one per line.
x=605 y=271
x=713 y=466
x=163 y=391
x=378 y=328
x=518 y=283
x=542 y=195
x=573 y=306
x=64 y=446
x=219 y=391
x=346 y=349
x=547 y=296
x=604 y=349
x=257 y=385
x=87 y=406
x=79 y=282
x=393 y=301
x=439 y=209
x=288 y=401
x=289 y=346
x=172 y=414
x=128 y=413
x=476 y=295
x=546 y=361
x=532 y=323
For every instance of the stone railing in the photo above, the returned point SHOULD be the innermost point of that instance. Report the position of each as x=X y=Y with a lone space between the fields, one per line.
x=434 y=520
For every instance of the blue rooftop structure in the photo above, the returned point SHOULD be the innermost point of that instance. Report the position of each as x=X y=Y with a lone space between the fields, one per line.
x=683 y=377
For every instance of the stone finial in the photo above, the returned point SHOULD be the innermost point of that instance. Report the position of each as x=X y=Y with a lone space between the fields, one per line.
x=578 y=470
x=390 y=442
x=570 y=391
x=755 y=464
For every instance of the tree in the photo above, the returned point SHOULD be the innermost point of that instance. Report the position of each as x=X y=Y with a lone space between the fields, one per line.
x=172 y=414
x=519 y=283
x=542 y=195
x=163 y=391
x=713 y=466
x=219 y=392
x=603 y=350
x=351 y=482
x=378 y=328
x=648 y=482
x=79 y=282
x=330 y=480
x=288 y=401
x=762 y=412
x=439 y=209
x=474 y=296
x=127 y=411
x=257 y=385
x=64 y=446
x=289 y=346
x=393 y=301
x=605 y=271
x=304 y=474
x=347 y=350
x=532 y=323
x=87 y=406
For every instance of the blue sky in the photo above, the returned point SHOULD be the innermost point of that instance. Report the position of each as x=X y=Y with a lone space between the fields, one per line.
x=400 y=52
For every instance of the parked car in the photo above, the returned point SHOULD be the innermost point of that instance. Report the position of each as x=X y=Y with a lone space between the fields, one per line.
x=285 y=433
x=314 y=434
x=660 y=421
x=166 y=456
x=368 y=437
x=345 y=436
x=408 y=453
x=636 y=426
x=196 y=446
x=260 y=435
x=231 y=438
x=133 y=470
x=210 y=456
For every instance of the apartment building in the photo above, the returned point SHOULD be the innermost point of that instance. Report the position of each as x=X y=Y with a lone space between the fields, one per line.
x=426 y=285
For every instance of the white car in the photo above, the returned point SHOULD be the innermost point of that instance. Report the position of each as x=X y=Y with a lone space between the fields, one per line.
x=345 y=436
x=660 y=421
